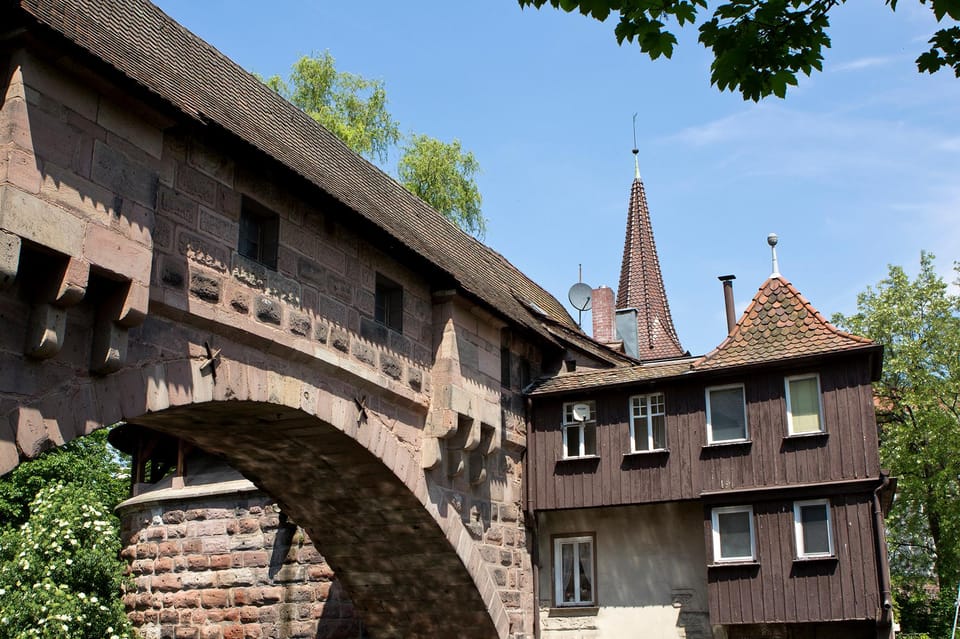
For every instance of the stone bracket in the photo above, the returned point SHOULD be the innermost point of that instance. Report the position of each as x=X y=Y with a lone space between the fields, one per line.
x=125 y=307
x=64 y=287
x=9 y=258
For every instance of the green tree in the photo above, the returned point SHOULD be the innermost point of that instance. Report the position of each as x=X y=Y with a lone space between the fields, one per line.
x=60 y=572
x=355 y=110
x=759 y=46
x=442 y=175
x=349 y=106
x=918 y=411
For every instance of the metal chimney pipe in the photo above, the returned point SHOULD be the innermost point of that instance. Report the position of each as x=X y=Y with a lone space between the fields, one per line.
x=728 y=300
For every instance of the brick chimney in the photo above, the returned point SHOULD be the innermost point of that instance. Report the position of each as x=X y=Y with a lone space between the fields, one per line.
x=603 y=309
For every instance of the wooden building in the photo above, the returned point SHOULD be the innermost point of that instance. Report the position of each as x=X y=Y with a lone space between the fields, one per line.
x=737 y=494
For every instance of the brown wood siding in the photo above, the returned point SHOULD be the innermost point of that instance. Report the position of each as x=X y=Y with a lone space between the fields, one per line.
x=847 y=451
x=779 y=589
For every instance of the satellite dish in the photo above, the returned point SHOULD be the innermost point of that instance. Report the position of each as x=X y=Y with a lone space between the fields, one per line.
x=581 y=412
x=580 y=296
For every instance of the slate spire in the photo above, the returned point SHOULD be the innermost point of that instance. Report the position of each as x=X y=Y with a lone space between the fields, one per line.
x=641 y=283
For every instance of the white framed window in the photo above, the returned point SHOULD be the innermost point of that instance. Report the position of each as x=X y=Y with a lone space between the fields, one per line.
x=648 y=423
x=733 y=538
x=579 y=429
x=804 y=404
x=573 y=571
x=811 y=524
x=726 y=414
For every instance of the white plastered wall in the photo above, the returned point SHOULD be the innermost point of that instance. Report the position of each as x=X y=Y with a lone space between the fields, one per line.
x=651 y=579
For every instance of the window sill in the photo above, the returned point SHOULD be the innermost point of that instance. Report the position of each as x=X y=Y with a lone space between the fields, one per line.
x=815 y=559
x=581 y=458
x=822 y=434
x=574 y=611
x=746 y=563
x=730 y=444
x=641 y=453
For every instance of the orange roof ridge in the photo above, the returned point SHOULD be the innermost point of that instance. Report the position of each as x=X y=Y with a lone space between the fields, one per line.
x=641 y=283
x=780 y=323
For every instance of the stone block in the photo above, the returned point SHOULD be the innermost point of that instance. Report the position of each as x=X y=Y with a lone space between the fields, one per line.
x=23 y=170
x=9 y=259
x=340 y=288
x=391 y=366
x=46 y=331
x=195 y=183
x=33 y=219
x=203 y=251
x=248 y=271
x=212 y=162
x=299 y=324
x=131 y=126
x=268 y=311
x=219 y=227
x=113 y=252
x=178 y=206
x=122 y=175
x=282 y=287
x=364 y=353
x=205 y=287
x=311 y=272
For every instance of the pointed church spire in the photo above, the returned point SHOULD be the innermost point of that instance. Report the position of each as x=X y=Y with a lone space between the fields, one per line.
x=641 y=283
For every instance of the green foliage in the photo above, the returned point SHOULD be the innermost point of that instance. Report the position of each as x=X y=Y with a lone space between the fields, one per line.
x=60 y=572
x=442 y=175
x=355 y=110
x=918 y=410
x=759 y=46
x=88 y=461
x=350 y=106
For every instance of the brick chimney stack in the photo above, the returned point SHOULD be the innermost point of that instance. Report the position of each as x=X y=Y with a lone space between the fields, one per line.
x=604 y=329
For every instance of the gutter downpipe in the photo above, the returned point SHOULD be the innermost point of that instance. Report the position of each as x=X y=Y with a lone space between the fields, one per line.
x=886 y=601
x=530 y=522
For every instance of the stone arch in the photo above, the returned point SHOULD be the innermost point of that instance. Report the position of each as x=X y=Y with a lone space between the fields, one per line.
x=339 y=453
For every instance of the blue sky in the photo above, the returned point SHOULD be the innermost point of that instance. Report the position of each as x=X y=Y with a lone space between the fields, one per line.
x=855 y=170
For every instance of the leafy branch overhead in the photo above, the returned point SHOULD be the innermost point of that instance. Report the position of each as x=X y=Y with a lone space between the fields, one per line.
x=355 y=110
x=759 y=46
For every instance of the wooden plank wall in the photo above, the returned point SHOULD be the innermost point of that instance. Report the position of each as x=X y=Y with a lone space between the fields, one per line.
x=779 y=589
x=848 y=451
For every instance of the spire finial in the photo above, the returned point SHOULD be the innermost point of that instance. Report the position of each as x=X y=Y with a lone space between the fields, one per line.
x=772 y=241
x=636 y=151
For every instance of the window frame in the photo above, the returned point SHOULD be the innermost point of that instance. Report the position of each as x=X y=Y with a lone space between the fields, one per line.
x=648 y=419
x=266 y=223
x=386 y=311
x=786 y=390
x=801 y=552
x=746 y=424
x=574 y=539
x=568 y=425
x=715 y=534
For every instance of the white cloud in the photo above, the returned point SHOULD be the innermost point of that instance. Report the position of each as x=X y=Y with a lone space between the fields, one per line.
x=862 y=63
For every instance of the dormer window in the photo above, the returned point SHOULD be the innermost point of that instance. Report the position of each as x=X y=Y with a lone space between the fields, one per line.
x=804 y=409
x=579 y=429
x=726 y=414
x=648 y=423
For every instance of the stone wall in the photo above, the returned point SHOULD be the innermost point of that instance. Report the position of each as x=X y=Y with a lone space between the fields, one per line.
x=227 y=566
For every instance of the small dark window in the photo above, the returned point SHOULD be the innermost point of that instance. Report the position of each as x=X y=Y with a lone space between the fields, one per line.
x=389 y=304
x=259 y=233
x=505 y=366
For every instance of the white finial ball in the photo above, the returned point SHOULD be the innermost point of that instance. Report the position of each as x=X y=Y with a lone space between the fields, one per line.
x=772 y=239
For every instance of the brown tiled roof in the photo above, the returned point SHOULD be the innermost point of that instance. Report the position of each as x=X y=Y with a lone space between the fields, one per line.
x=153 y=50
x=611 y=377
x=574 y=338
x=779 y=324
x=641 y=283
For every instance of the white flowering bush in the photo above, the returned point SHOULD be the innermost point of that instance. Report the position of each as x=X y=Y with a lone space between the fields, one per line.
x=60 y=572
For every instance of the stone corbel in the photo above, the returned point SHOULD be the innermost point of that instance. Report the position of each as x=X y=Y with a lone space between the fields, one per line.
x=124 y=308
x=9 y=258
x=48 y=317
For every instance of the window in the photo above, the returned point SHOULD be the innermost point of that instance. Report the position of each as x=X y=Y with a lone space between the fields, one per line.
x=573 y=564
x=811 y=523
x=648 y=423
x=726 y=414
x=579 y=429
x=259 y=233
x=803 y=404
x=733 y=534
x=388 y=303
